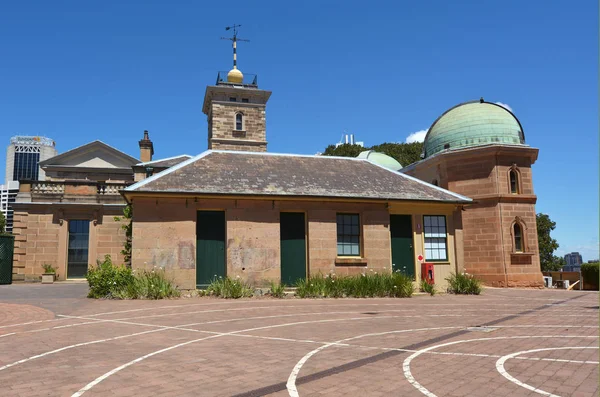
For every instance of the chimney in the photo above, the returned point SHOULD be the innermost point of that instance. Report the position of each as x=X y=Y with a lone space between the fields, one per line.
x=146 y=148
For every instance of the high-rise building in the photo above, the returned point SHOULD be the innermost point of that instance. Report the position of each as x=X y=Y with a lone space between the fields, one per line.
x=23 y=156
x=573 y=260
x=8 y=195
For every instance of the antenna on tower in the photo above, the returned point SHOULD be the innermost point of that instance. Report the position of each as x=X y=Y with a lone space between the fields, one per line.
x=234 y=39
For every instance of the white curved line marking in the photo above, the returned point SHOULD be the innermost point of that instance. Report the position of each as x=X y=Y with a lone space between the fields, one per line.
x=406 y=365
x=291 y=382
x=503 y=372
x=161 y=328
x=73 y=346
x=216 y=335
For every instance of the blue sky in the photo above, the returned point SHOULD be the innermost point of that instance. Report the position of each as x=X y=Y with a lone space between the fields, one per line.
x=79 y=71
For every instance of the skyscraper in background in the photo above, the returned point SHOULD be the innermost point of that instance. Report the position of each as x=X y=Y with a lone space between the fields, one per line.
x=8 y=195
x=23 y=156
x=573 y=259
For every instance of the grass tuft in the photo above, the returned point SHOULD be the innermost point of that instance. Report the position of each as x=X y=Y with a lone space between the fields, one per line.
x=229 y=288
x=463 y=284
x=360 y=286
x=277 y=290
x=107 y=280
x=428 y=288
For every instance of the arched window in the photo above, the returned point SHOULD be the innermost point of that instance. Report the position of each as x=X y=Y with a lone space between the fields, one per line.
x=514 y=182
x=239 y=121
x=518 y=236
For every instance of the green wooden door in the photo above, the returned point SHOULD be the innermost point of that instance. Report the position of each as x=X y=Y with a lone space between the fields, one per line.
x=210 y=247
x=293 y=247
x=403 y=257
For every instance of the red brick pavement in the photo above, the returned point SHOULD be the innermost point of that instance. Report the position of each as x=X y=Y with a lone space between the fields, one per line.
x=209 y=347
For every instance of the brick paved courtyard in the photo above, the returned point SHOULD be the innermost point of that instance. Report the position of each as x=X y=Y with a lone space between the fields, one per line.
x=55 y=342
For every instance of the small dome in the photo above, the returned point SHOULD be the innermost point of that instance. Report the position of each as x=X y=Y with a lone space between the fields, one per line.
x=473 y=123
x=235 y=76
x=380 y=159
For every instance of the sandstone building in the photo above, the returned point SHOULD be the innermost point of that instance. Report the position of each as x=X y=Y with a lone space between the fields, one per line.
x=478 y=149
x=68 y=220
x=238 y=210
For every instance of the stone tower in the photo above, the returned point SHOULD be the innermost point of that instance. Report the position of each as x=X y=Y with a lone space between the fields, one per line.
x=236 y=108
x=478 y=149
x=236 y=114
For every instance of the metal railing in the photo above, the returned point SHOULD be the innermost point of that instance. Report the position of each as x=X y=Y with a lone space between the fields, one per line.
x=250 y=80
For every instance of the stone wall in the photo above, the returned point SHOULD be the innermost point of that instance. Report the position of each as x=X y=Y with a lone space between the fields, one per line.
x=164 y=235
x=42 y=233
x=483 y=175
x=222 y=126
x=36 y=243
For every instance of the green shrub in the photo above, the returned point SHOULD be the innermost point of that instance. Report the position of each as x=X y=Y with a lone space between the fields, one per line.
x=48 y=269
x=106 y=278
x=591 y=273
x=153 y=284
x=428 y=288
x=277 y=290
x=120 y=282
x=361 y=286
x=464 y=283
x=229 y=288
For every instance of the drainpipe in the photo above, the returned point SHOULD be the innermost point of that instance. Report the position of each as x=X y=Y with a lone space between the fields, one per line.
x=501 y=228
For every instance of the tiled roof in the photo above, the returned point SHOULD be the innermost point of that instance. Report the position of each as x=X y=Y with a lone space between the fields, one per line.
x=166 y=162
x=268 y=174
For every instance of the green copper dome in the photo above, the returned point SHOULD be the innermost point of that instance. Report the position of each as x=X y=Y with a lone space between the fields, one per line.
x=380 y=159
x=473 y=123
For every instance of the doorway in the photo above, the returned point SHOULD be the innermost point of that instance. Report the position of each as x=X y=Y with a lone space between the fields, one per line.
x=210 y=247
x=78 y=249
x=403 y=256
x=292 y=231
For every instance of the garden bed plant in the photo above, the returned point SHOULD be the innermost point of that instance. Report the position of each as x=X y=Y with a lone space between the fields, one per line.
x=463 y=284
x=365 y=285
x=107 y=280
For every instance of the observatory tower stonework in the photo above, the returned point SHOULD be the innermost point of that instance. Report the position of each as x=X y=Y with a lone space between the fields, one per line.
x=236 y=109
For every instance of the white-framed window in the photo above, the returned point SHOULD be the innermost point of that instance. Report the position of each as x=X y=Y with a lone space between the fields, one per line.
x=348 y=235
x=436 y=238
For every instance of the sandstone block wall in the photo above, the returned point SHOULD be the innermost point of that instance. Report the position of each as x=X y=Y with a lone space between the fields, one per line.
x=164 y=234
x=222 y=126
x=36 y=243
x=40 y=238
x=489 y=250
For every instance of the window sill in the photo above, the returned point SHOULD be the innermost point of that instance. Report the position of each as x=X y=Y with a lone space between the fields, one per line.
x=349 y=261
x=521 y=258
x=438 y=262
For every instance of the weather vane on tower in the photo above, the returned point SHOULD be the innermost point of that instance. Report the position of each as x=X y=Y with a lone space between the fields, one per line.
x=234 y=75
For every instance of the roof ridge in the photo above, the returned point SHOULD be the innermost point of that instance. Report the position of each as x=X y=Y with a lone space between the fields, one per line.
x=164 y=159
x=460 y=196
x=287 y=154
x=96 y=141
x=168 y=171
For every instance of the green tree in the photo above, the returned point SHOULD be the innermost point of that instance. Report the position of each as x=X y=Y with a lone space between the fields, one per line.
x=404 y=153
x=547 y=245
x=345 y=150
x=2 y=222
